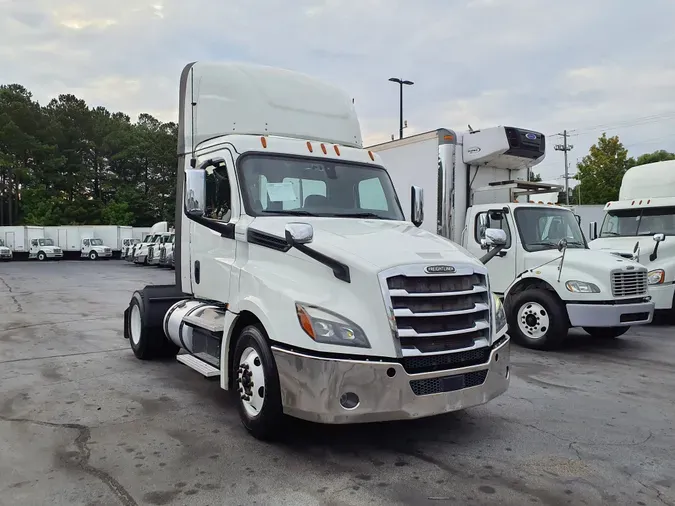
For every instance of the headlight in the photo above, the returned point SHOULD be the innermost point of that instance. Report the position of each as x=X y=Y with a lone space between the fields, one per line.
x=656 y=277
x=328 y=328
x=500 y=314
x=582 y=287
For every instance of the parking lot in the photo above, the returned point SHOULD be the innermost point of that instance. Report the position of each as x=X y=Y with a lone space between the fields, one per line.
x=83 y=422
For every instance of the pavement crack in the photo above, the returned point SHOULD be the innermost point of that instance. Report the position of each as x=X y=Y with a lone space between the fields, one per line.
x=62 y=355
x=43 y=324
x=659 y=494
x=83 y=455
x=19 y=307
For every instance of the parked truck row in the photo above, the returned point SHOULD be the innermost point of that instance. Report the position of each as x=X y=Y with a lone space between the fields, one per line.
x=155 y=248
x=56 y=242
x=323 y=280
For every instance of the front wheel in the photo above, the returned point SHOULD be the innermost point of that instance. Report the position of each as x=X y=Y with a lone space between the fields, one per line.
x=42 y=256
x=93 y=255
x=257 y=385
x=537 y=319
x=606 y=332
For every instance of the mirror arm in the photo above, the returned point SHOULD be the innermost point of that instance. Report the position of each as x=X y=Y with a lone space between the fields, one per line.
x=654 y=253
x=492 y=253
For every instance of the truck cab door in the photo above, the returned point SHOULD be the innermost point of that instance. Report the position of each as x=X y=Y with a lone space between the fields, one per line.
x=212 y=250
x=502 y=268
x=85 y=244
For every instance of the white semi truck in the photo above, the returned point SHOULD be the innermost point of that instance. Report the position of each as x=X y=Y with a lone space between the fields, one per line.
x=299 y=282
x=641 y=225
x=139 y=252
x=546 y=275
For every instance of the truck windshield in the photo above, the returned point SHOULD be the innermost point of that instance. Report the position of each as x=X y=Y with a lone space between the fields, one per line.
x=96 y=242
x=2 y=243
x=147 y=238
x=173 y=239
x=279 y=185
x=543 y=227
x=45 y=242
x=633 y=222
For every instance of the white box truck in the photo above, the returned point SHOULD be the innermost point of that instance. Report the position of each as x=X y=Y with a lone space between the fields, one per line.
x=547 y=276
x=641 y=225
x=299 y=282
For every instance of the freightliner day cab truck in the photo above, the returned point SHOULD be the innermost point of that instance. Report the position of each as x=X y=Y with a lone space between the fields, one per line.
x=546 y=275
x=641 y=224
x=299 y=283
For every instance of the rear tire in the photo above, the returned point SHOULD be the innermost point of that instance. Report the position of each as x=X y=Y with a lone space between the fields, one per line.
x=537 y=319
x=606 y=332
x=144 y=329
x=255 y=374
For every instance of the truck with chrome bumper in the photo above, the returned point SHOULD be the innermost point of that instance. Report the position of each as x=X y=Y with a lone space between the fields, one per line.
x=319 y=300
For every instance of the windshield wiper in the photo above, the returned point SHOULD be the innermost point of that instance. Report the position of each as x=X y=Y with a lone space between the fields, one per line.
x=361 y=215
x=291 y=212
x=613 y=234
x=543 y=243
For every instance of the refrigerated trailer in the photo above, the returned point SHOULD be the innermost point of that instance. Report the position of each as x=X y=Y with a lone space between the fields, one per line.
x=299 y=282
x=546 y=275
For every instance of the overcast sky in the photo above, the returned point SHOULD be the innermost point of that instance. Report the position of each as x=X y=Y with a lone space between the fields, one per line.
x=583 y=65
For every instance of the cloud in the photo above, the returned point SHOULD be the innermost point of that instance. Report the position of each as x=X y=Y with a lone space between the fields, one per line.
x=539 y=64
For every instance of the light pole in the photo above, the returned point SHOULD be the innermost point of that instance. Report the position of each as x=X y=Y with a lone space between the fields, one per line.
x=400 y=82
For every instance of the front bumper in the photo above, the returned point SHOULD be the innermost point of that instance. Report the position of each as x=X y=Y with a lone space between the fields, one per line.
x=311 y=387
x=52 y=254
x=662 y=295
x=139 y=259
x=610 y=315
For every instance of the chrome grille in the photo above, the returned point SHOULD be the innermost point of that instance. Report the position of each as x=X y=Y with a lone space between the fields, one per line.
x=151 y=251
x=629 y=283
x=162 y=255
x=436 y=313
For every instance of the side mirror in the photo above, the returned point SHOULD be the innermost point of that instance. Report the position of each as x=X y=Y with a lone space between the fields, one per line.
x=416 y=205
x=299 y=233
x=494 y=237
x=195 y=191
x=593 y=230
x=659 y=237
x=578 y=219
x=562 y=244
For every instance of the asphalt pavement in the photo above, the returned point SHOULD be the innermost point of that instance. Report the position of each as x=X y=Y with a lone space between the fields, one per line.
x=83 y=422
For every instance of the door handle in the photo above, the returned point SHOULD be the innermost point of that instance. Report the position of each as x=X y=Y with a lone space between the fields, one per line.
x=501 y=254
x=197 y=271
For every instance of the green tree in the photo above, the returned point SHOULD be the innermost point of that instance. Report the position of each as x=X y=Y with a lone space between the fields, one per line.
x=657 y=156
x=600 y=172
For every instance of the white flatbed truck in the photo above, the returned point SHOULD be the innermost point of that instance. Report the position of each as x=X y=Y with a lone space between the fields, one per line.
x=295 y=286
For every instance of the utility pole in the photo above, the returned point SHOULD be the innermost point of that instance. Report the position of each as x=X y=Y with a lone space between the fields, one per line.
x=565 y=148
x=400 y=82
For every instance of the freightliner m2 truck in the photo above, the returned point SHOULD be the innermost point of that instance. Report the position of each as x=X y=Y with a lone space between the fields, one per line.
x=641 y=225
x=299 y=282
x=546 y=274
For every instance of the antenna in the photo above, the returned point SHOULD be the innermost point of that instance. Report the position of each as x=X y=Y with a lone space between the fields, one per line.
x=193 y=104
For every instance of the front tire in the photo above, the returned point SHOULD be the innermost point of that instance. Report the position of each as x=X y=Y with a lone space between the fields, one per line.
x=606 y=332
x=147 y=340
x=93 y=255
x=256 y=385
x=537 y=319
x=42 y=256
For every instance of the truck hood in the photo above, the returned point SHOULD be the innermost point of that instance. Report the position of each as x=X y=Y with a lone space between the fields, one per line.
x=380 y=243
x=624 y=246
x=593 y=261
